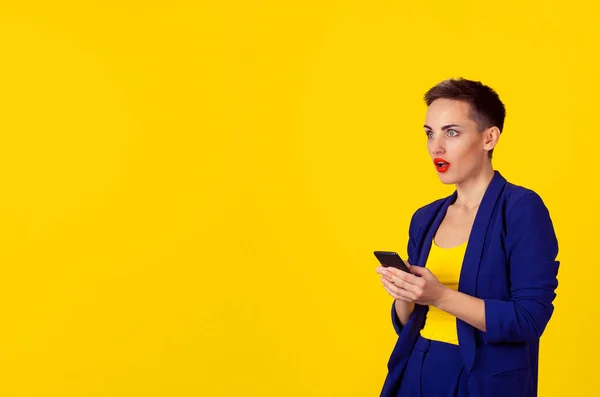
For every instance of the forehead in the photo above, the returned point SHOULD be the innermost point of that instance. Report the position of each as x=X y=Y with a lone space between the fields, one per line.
x=446 y=111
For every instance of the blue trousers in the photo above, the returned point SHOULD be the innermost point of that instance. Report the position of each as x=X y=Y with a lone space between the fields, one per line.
x=434 y=369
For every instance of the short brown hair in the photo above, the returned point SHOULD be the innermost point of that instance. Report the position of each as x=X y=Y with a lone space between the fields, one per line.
x=486 y=108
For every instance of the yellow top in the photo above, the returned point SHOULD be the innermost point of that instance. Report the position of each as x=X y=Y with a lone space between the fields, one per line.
x=445 y=264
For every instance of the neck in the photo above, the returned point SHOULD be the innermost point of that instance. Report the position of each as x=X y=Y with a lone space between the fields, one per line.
x=470 y=191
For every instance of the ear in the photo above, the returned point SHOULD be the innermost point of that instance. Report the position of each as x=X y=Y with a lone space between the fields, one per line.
x=490 y=138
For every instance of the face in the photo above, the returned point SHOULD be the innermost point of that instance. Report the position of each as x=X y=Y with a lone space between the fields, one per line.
x=456 y=145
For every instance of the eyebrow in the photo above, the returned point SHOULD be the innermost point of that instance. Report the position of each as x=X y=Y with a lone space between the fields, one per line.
x=444 y=127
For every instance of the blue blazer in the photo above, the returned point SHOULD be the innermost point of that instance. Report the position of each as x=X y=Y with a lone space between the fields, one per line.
x=510 y=263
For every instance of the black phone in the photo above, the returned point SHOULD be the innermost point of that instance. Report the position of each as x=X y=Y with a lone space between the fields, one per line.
x=391 y=259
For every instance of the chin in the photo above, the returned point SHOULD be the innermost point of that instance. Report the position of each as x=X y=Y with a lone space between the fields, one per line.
x=446 y=179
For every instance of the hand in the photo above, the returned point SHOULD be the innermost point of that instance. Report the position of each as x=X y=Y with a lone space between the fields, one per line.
x=421 y=287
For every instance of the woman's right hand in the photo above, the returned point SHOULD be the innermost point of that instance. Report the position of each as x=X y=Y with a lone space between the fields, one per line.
x=388 y=282
x=404 y=308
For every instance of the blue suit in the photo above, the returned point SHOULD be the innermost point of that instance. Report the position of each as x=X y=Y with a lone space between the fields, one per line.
x=510 y=263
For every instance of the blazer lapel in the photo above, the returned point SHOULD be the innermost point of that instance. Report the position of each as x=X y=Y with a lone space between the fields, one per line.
x=470 y=267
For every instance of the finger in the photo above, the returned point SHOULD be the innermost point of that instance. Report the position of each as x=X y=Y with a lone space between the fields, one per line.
x=387 y=274
x=409 y=277
x=407 y=281
x=405 y=295
x=400 y=294
x=390 y=292
x=390 y=272
x=383 y=270
x=412 y=288
x=390 y=286
x=398 y=290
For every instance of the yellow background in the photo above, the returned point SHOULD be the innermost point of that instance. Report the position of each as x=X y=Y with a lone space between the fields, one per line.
x=191 y=192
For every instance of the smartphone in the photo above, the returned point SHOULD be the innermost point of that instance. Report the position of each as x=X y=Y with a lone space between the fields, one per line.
x=391 y=259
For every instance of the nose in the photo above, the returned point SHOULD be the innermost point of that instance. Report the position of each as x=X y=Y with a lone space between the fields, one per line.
x=436 y=146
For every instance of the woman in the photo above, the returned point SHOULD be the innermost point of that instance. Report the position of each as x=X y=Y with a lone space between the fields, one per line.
x=483 y=263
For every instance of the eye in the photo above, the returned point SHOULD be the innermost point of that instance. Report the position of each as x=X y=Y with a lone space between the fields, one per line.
x=452 y=133
x=429 y=134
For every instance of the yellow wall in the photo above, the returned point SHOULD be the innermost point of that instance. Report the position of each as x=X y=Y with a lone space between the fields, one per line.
x=191 y=193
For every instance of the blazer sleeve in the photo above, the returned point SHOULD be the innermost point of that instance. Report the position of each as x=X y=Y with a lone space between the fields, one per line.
x=412 y=258
x=532 y=249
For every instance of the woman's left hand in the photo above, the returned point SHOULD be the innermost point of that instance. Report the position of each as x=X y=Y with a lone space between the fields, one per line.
x=421 y=287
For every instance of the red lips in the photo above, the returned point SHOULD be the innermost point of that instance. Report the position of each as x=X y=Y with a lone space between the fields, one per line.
x=440 y=164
